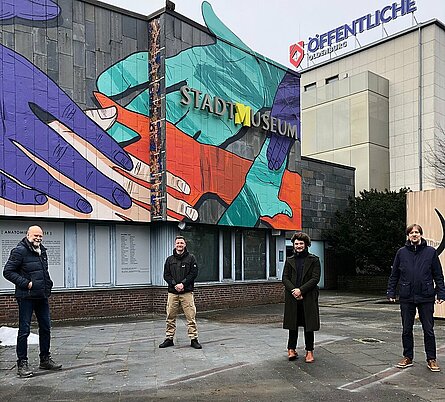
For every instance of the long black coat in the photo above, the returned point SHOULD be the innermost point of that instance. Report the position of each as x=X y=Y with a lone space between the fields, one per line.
x=309 y=290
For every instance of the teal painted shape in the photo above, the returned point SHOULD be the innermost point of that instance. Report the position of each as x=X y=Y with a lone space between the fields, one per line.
x=233 y=73
x=259 y=195
x=123 y=76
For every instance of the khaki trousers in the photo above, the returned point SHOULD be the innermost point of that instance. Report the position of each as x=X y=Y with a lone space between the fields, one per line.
x=175 y=303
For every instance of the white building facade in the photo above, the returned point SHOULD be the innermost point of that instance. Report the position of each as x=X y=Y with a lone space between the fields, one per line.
x=380 y=109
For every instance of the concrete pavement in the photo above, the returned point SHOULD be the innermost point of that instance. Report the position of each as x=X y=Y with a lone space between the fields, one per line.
x=243 y=359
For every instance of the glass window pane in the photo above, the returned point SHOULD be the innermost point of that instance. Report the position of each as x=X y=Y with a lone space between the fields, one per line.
x=202 y=242
x=272 y=257
x=238 y=261
x=227 y=255
x=254 y=254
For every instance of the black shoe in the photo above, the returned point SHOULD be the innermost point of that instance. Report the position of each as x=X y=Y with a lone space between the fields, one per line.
x=195 y=344
x=46 y=363
x=168 y=342
x=23 y=369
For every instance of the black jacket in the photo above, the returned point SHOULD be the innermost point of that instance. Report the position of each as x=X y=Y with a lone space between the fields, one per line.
x=181 y=268
x=25 y=265
x=419 y=274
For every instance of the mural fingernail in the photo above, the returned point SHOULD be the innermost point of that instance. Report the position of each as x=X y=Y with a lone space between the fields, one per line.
x=191 y=213
x=40 y=199
x=123 y=160
x=84 y=206
x=122 y=198
x=107 y=112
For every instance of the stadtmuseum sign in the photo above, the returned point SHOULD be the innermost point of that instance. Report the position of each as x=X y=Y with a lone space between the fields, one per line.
x=241 y=114
x=335 y=39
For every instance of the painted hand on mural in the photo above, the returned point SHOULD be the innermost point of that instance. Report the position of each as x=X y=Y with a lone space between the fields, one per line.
x=240 y=75
x=235 y=74
x=35 y=10
x=134 y=125
x=286 y=107
x=38 y=163
x=259 y=196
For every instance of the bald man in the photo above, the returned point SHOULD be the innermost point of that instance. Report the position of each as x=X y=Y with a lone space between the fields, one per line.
x=27 y=269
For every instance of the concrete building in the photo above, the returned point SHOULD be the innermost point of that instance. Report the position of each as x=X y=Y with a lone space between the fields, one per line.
x=379 y=108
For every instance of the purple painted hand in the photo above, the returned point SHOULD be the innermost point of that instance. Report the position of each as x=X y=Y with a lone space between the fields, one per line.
x=35 y=10
x=285 y=107
x=35 y=161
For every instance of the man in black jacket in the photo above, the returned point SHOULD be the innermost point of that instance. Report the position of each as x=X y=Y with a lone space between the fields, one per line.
x=27 y=268
x=418 y=272
x=180 y=272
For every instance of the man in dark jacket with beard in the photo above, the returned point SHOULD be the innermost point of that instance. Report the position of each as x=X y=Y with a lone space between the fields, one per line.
x=180 y=272
x=27 y=268
x=418 y=272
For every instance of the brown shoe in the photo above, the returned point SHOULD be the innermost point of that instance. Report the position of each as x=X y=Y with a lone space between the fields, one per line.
x=404 y=363
x=309 y=356
x=432 y=365
x=292 y=354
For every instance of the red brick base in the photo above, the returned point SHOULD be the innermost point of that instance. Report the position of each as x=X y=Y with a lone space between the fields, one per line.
x=94 y=303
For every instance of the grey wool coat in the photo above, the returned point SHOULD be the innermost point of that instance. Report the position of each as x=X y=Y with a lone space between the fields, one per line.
x=309 y=291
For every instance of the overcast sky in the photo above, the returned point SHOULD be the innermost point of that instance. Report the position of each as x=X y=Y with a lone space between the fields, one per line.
x=269 y=27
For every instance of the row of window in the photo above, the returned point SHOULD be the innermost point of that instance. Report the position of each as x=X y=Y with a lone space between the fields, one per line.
x=313 y=85
x=224 y=254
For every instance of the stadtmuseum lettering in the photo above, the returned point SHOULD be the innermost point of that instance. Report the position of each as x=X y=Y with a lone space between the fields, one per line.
x=241 y=114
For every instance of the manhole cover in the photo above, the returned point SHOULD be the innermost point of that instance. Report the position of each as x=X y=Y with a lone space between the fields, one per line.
x=368 y=340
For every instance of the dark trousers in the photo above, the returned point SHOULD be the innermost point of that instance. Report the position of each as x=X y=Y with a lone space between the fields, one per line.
x=308 y=339
x=426 y=313
x=41 y=310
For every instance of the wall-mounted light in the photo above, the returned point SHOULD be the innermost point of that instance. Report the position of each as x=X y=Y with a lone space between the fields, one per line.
x=181 y=225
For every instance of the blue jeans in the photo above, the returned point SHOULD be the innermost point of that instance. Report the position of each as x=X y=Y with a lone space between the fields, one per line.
x=41 y=310
x=426 y=313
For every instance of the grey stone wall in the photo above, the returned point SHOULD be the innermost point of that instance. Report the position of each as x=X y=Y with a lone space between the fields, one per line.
x=75 y=48
x=326 y=188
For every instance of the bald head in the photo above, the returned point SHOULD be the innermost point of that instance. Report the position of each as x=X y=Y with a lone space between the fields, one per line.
x=35 y=235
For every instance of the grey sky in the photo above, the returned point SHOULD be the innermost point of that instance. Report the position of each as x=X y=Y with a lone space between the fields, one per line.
x=269 y=27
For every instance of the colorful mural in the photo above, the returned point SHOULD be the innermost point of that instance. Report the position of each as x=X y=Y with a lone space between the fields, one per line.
x=249 y=191
x=56 y=161
x=138 y=156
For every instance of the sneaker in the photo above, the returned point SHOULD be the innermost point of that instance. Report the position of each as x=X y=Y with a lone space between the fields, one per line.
x=168 y=342
x=404 y=363
x=432 y=365
x=23 y=369
x=195 y=344
x=46 y=363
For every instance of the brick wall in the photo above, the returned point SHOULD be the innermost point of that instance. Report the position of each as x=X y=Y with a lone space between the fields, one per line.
x=363 y=283
x=82 y=304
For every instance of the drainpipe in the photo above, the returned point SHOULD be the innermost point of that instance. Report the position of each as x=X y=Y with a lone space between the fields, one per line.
x=419 y=111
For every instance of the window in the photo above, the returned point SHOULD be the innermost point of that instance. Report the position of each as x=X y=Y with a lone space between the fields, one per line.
x=238 y=256
x=310 y=87
x=227 y=254
x=203 y=244
x=332 y=79
x=254 y=254
x=272 y=256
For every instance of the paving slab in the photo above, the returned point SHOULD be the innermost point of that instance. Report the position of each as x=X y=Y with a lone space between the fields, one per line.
x=244 y=358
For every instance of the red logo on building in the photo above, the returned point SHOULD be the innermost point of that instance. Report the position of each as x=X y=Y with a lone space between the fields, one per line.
x=296 y=53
